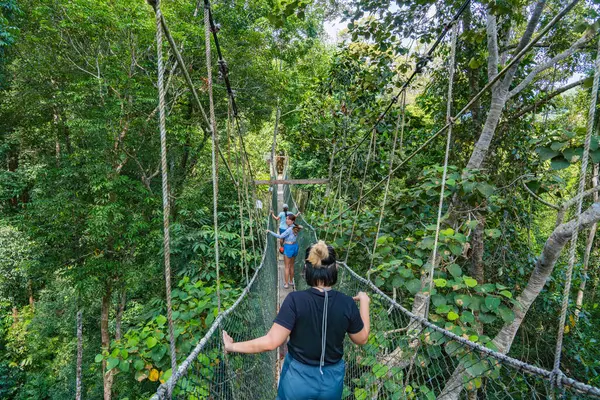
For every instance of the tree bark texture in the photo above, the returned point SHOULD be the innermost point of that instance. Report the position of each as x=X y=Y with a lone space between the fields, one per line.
x=588 y=251
x=107 y=376
x=79 y=355
x=543 y=268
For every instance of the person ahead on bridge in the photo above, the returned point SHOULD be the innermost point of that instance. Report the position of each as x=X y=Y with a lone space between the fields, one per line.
x=313 y=368
x=281 y=217
x=290 y=248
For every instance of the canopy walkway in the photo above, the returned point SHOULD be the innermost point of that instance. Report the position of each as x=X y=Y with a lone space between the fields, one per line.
x=408 y=356
x=413 y=358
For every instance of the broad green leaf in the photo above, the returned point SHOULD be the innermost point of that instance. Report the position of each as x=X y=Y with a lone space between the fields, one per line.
x=467 y=317
x=98 y=358
x=447 y=232
x=161 y=320
x=124 y=366
x=492 y=302
x=414 y=286
x=440 y=282
x=438 y=300
x=546 y=153
x=111 y=363
x=559 y=162
x=151 y=342
x=452 y=316
x=493 y=233
x=506 y=314
x=470 y=282
x=485 y=189
x=380 y=370
x=138 y=365
x=455 y=270
x=506 y=293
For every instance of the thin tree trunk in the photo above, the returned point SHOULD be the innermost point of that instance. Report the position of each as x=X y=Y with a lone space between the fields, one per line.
x=543 y=268
x=30 y=292
x=79 y=354
x=588 y=250
x=119 y=316
x=107 y=376
x=15 y=315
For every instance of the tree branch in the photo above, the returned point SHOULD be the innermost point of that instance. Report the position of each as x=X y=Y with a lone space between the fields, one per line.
x=492 y=45
x=542 y=67
x=538 y=198
x=520 y=112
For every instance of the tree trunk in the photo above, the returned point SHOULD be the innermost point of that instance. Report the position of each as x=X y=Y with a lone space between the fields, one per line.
x=107 y=376
x=588 y=250
x=30 y=292
x=543 y=268
x=119 y=316
x=15 y=315
x=79 y=354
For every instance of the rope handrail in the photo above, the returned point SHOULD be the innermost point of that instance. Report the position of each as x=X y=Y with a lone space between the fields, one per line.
x=185 y=365
x=501 y=357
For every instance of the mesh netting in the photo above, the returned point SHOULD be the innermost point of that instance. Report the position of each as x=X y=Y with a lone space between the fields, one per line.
x=209 y=374
x=408 y=357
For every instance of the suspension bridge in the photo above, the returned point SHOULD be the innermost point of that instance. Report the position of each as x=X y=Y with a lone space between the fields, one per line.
x=408 y=356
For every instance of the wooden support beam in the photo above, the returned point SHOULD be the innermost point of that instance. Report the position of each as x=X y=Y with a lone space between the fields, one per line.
x=292 y=182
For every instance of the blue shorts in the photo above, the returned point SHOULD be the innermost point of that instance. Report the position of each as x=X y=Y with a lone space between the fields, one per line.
x=281 y=230
x=290 y=250
x=300 y=381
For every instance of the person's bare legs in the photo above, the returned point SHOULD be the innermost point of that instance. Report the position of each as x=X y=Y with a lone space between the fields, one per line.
x=291 y=267
x=286 y=276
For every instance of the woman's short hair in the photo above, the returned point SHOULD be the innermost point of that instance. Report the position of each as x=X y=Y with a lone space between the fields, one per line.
x=320 y=265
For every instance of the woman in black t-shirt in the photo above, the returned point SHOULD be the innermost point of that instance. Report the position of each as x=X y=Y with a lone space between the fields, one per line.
x=316 y=321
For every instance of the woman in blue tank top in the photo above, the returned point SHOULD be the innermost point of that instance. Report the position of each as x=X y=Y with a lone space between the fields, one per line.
x=290 y=248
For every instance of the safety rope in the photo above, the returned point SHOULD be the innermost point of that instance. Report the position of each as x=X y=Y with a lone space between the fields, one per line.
x=362 y=186
x=215 y=144
x=165 y=185
x=446 y=158
x=399 y=121
x=468 y=106
x=573 y=249
x=419 y=67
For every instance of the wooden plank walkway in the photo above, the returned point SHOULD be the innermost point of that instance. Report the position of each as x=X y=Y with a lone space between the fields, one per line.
x=281 y=292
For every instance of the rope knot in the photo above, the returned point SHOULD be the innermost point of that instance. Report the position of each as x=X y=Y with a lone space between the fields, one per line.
x=422 y=63
x=215 y=28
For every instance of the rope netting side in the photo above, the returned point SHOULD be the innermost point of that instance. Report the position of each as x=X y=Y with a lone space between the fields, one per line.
x=207 y=373
x=434 y=361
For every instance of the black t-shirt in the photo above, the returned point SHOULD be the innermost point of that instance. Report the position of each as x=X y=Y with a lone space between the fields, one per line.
x=302 y=313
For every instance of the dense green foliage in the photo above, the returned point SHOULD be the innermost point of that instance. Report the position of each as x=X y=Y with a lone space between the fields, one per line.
x=80 y=188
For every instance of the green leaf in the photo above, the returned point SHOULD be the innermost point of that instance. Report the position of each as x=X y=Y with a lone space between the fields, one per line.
x=438 y=300
x=467 y=317
x=98 y=358
x=456 y=249
x=138 y=365
x=506 y=314
x=447 y=232
x=380 y=370
x=557 y=146
x=455 y=270
x=559 y=163
x=112 y=362
x=440 y=282
x=124 y=366
x=470 y=282
x=414 y=286
x=492 y=302
x=487 y=318
x=485 y=189
x=546 y=153
x=151 y=342
x=452 y=316
x=124 y=354
x=493 y=233
x=573 y=154
x=161 y=320
x=506 y=293
x=595 y=156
